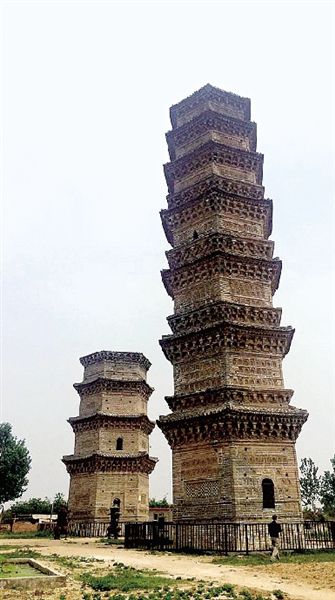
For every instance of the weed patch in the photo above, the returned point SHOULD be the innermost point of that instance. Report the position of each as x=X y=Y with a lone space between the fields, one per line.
x=278 y=594
x=166 y=593
x=21 y=553
x=128 y=583
x=125 y=578
x=73 y=562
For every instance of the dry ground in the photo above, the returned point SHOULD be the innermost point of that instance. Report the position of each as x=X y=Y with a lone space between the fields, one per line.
x=311 y=581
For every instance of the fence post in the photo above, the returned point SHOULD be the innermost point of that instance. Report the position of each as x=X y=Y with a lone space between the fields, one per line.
x=246 y=539
x=177 y=534
x=298 y=532
x=225 y=540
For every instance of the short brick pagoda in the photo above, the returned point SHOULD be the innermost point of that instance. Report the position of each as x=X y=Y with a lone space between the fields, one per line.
x=111 y=456
x=232 y=430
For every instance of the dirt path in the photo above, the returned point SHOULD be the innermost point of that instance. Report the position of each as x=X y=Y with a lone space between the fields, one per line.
x=290 y=578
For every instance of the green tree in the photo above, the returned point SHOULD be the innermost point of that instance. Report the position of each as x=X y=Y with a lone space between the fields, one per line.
x=15 y=464
x=58 y=501
x=37 y=506
x=158 y=503
x=31 y=506
x=309 y=484
x=328 y=490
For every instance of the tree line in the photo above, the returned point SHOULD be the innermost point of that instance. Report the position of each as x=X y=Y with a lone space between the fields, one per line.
x=317 y=491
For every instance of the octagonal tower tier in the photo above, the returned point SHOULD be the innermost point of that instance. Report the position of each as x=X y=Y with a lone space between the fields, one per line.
x=232 y=429
x=111 y=455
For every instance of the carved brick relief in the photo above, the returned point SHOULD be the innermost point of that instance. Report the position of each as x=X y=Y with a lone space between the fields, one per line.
x=206 y=489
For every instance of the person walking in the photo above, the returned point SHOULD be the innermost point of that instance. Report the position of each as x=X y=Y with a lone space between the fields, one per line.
x=274 y=529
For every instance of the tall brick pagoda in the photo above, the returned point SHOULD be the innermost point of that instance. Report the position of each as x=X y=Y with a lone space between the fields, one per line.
x=111 y=456
x=232 y=430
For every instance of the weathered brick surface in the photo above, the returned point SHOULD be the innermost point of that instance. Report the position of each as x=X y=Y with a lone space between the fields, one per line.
x=187 y=112
x=113 y=408
x=120 y=403
x=233 y=141
x=224 y=480
x=258 y=372
x=220 y=287
x=115 y=371
x=202 y=173
x=104 y=440
x=205 y=218
x=232 y=426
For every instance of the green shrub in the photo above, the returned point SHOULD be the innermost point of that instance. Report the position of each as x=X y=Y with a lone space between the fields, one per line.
x=246 y=595
x=228 y=587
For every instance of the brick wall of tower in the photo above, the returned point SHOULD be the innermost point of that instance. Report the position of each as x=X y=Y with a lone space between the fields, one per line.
x=186 y=115
x=208 y=170
x=202 y=488
x=228 y=222
x=233 y=141
x=116 y=403
x=104 y=440
x=244 y=291
x=273 y=460
x=131 y=488
x=224 y=481
x=235 y=369
x=117 y=371
x=91 y=496
x=82 y=497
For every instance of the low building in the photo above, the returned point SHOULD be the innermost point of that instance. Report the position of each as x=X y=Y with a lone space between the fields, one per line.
x=157 y=512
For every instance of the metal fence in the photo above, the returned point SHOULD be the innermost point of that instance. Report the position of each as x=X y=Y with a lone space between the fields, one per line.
x=223 y=538
x=91 y=529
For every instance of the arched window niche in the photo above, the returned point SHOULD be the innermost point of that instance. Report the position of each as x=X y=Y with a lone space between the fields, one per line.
x=119 y=443
x=268 y=490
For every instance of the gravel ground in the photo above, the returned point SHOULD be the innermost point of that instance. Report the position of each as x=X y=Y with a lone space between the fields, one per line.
x=312 y=581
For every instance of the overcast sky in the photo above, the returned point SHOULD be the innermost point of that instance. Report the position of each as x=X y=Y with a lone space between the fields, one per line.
x=87 y=88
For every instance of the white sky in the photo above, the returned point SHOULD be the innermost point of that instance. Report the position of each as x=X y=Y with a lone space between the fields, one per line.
x=87 y=88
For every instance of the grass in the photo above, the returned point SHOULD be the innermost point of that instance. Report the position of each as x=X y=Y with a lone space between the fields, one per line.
x=128 y=583
x=264 y=559
x=24 y=535
x=125 y=578
x=166 y=592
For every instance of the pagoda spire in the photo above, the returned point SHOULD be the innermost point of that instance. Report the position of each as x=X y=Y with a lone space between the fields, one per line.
x=232 y=426
x=111 y=456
